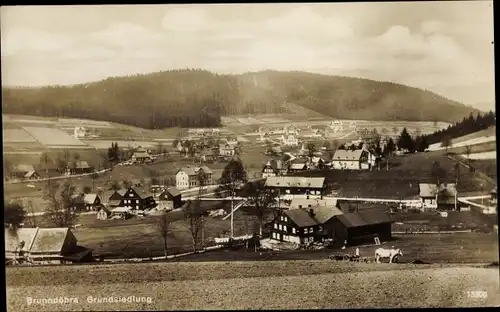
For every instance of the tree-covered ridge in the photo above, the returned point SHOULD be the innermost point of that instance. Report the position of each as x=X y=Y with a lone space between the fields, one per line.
x=468 y=125
x=198 y=98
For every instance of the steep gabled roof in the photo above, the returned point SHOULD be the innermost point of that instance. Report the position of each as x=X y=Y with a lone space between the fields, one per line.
x=50 y=239
x=356 y=219
x=347 y=155
x=312 y=202
x=191 y=171
x=170 y=193
x=14 y=237
x=302 y=217
x=89 y=198
x=140 y=192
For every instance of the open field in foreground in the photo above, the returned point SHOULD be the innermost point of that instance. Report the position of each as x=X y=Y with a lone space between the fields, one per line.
x=257 y=285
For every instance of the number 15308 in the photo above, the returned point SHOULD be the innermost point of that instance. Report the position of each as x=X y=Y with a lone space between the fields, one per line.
x=477 y=294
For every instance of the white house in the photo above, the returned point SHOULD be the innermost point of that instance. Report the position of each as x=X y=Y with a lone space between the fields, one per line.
x=290 y=140
x=80 y=132
x=187 y=177
x=336 y=126
x=353 y=160
x=227 y=150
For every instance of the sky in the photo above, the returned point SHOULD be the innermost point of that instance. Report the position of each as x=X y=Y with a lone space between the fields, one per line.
x=445 y=47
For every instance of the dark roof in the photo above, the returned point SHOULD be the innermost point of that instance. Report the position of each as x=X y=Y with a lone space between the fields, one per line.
x=170 y=193
x=364 y=218
x=140 y=192
x=303 y=218
x=114 y=203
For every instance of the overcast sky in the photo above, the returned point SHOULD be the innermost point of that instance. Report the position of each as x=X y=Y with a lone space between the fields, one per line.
x=445 y=47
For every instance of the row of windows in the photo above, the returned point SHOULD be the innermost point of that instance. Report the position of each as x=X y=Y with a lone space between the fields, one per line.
x=307 y=230
x=130 y=201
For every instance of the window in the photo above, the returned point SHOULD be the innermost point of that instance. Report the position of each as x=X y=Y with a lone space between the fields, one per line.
x=293 y=230
x=320 y=228
x=287 y=191
x=275 y=226
x=306 y=230
x=131 y=195
x=284 y=228
x=274 y=234
x=281 y=228
x=285 y=218
x=281 y=218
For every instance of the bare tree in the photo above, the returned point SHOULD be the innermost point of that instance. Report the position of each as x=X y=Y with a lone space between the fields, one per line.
x=126 y=184
x=457 y=177
x=232 y=177
x=468 y=151
x=446 y=143
x=437 y=172
x=115 y=185
x=61 y=207
x=165 y=229
x=94 y=176
x=30 y=217
x=263 y=201
x=45 y=159
x=193 y=219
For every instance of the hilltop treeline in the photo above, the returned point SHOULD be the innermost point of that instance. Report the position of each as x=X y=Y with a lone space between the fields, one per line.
x=468 y=125
x=198 y=98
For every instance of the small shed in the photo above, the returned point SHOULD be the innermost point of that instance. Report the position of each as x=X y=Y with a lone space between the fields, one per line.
x=363 y=227
x=103 y=213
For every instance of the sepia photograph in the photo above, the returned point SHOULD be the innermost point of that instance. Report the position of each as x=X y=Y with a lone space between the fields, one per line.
x=249 y=156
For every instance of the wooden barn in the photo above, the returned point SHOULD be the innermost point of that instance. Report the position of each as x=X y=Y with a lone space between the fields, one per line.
x=136 y=198
x=170 y=199
x=115 y=200
x=363 y=227
x=44 y=246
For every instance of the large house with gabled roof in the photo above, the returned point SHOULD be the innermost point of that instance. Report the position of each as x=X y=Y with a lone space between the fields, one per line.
x=187 y=177
x=137 y=199
x=289 y=185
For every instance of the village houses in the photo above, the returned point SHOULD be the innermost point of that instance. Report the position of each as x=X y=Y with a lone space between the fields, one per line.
x=289 y=140
x=360 y=159
x=24 y=172
x=443 y=197
x=320 y=223
x=274 y=168
x=141 y=156
x=78 y=167
x=227 y=150
x=187 y=177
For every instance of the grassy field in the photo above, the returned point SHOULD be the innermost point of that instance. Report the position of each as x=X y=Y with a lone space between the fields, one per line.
x=259 y=285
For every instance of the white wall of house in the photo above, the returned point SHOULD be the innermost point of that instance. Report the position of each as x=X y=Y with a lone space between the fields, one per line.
x=429 y=203
x=182 y=180
x=291 y=239
x=342 y=164
x=165 y=205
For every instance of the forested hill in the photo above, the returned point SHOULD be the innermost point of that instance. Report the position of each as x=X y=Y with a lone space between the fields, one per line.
x=197 y=98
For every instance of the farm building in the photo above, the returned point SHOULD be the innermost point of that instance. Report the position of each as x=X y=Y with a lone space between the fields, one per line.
x=44 y=246
x=121 y=213
x=274 y=168
x=87 y=202
x=298 y=203
x=137 y=199
x=208 y=156
x=187 y=177
x=170 y=199
x=297 y=185
x=302 y=226
x=80 y=132
x=141 y=156
x=103 y=213
x=362 y=227
x=115 y=200
x=227 y=150
x=21 y=171
x=289 y=140
x=32 y=175
x=297 y=165
x=78 y=167
x=353 y=160
x=434 y=197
